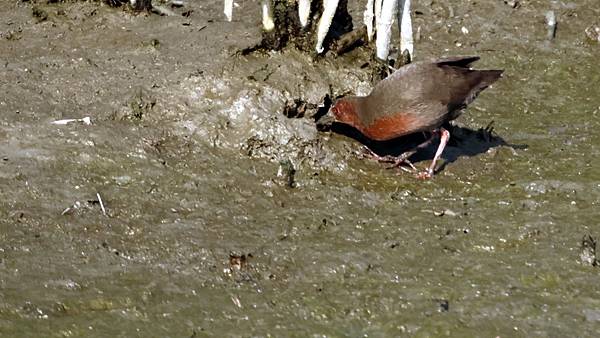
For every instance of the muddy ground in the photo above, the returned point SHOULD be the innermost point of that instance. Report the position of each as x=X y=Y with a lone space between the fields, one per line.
x=224 y=217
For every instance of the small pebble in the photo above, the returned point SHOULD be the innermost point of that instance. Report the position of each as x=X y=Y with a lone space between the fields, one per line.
x=593 y=33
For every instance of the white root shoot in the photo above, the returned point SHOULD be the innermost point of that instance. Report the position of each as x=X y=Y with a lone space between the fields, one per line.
x=329 y=9
x=406 y=31
x=368 y=19
x=384 y=28
x=228 y=10
x=378 y=4
x=303 y=11
x=267 y=15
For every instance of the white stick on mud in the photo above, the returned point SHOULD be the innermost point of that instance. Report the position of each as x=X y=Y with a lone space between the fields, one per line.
x=405 y=25
x=368 y=19
x=329 y=9
x=101 y=204
x=384 y=28
x=551 y=22
x=228 y=10
x=303 y=11
x=86 y=120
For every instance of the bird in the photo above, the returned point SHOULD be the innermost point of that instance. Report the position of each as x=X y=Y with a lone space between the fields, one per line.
x=419 y=97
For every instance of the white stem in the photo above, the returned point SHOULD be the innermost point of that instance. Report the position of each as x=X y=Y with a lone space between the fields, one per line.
x=377 y=12
x=384 y=28
x=405 y=25
x=303 y=11
x=329 y=9
x=267 y=15
x=551 y=22
x=368 y=19
x=228 y=9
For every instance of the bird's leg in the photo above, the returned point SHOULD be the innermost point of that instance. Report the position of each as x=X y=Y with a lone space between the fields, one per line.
x=397 y=161
x=444 y=137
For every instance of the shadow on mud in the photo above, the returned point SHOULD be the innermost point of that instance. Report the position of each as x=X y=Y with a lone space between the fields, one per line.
x=463 y=142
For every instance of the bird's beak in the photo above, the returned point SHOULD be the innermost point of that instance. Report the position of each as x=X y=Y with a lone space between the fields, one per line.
x=325 y=121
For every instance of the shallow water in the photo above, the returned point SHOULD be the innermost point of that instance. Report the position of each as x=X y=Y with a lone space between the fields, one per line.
x=185 y=146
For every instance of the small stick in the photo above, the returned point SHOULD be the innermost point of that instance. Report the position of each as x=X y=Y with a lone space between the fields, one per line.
x=349 y=39
x=551 y=22
x=86 y=120
x=101 y=204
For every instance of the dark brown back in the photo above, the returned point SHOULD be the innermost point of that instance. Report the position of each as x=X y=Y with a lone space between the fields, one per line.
x=430 y=92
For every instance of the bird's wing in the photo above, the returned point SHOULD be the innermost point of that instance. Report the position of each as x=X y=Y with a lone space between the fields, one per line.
x=457 y=61
x=431 y=93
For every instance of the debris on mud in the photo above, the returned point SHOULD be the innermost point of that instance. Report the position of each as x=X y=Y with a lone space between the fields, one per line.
x=296 y=108
x=287 y=172
x=299 y=108
x=513 y=3
x=138 y=107
x=239 y=268
x=238 y=262
x=593 y=33
x=138 y=5
x=141 y=103
x=588 y=251
x=85 y=120
x=39 y=14
x=79 y=207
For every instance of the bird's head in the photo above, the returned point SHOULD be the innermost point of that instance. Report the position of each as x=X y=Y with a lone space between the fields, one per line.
x=345 y=110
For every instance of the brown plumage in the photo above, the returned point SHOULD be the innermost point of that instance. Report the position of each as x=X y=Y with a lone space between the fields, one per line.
x=418 y=97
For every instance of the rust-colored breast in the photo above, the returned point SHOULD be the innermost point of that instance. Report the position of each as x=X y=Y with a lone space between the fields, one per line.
x=392 y=126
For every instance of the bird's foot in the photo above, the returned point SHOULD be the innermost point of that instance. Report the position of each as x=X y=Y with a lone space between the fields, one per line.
x=396 y=161
x=424 y=175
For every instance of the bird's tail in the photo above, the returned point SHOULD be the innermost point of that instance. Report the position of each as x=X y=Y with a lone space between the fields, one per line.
x=481 y=80
x=488 y=77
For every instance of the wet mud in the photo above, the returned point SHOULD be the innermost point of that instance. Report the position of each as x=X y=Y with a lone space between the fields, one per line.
x=203 y=199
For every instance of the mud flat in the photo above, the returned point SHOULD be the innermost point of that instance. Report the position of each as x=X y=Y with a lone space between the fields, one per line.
x=224 y=213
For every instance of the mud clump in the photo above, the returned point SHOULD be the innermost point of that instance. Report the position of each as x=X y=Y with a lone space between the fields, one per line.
x=138 y=6
x=588 y=251
x=593 y=33
x=140 y=105
x=299 y=108
x=287 y=173
x=39 y=14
